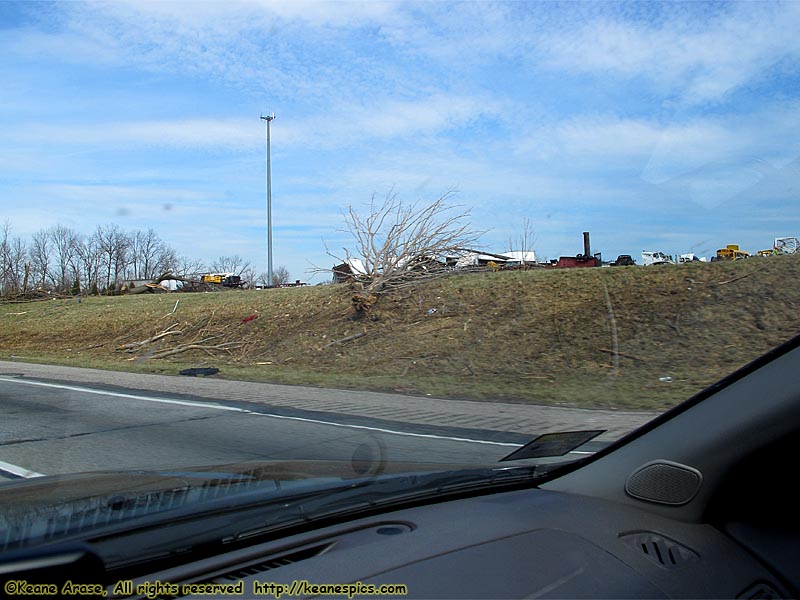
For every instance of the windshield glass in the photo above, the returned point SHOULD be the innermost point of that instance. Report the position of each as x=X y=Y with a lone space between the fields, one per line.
x=397 y=236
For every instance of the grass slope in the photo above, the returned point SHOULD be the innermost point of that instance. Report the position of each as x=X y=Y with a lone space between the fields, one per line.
x=544 y=336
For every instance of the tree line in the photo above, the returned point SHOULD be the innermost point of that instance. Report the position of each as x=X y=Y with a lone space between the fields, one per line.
x=64 y=261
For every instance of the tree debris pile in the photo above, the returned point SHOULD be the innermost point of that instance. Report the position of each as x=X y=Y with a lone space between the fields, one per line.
x=207 y=336
x=398 y=243
x=30 y=296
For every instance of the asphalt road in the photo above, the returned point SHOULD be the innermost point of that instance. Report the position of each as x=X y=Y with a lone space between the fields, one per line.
x=59 y=419
x=53 y=427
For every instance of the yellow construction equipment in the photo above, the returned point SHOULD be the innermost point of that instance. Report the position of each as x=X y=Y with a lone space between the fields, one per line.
x=731 y=252
x=223 y=279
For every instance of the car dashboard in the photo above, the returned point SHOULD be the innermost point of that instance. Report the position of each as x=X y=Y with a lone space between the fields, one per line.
x=522 y=544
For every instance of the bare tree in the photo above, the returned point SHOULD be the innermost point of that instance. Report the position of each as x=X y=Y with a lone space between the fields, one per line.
x=40 y=257
x=64 y=247
x=230 y=264
x=89 y=265
x=13 y=262
x=395 y=241
x=523 y=243
x=6 y=283
x=280 y=275
x=167 y=261
x=4 y=258
x=189 y=268
x=248 y=277
x=144 y=245
x=19 y=266
x=150 y=256
x=113 y=245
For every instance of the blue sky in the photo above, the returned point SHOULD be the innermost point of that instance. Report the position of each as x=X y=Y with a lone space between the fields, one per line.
x=660 y=126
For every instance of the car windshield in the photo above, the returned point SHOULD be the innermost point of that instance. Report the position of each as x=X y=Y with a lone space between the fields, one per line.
x=397 y=237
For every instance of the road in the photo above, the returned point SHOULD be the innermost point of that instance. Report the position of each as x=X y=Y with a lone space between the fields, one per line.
x=61 y=420
x=52 y=428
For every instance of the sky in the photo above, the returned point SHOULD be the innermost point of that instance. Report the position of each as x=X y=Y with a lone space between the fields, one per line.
x=654 y=126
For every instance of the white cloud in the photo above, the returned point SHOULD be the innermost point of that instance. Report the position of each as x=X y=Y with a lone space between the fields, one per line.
x=699 y=57
x=347 y=126
x=662 y=151
x=218 y=134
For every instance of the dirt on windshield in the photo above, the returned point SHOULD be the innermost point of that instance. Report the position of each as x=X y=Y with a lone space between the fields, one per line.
x=622 y=337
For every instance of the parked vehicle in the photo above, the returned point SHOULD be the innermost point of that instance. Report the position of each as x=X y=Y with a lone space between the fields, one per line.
x=623 y=260
x=690 y=257
x=656 y=258
x=223 y=279
x=732 y=252
x=782 y=245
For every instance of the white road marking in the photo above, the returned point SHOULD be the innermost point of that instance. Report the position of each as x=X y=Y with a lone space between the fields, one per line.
x=18 y=471
x=246 y=411
x=74 y=388
x=390 y=431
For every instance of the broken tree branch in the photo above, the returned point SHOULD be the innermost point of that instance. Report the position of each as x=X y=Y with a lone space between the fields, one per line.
x=186 y=347
x=349 y=338
x=630 y=356
x=738 y=278
x=134 y=345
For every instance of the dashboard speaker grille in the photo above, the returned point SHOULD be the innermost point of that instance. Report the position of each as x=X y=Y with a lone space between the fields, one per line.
x=664 y=482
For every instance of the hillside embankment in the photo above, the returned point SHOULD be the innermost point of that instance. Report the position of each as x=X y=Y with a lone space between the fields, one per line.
x=626 y=337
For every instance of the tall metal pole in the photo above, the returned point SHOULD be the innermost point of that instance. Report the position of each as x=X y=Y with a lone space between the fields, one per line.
x=269 y=119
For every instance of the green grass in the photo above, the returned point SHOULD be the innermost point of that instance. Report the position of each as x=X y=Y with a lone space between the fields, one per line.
x=541 y=336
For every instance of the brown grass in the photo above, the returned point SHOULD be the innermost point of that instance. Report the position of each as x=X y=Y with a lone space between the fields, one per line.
x=533 y=336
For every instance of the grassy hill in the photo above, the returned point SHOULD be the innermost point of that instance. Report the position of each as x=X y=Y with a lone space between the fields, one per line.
x=628 y=337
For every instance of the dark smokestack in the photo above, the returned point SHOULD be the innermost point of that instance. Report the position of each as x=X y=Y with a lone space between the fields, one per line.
x=587 y=251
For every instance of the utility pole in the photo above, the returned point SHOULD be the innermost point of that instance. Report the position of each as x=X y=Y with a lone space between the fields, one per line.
x=269 y=119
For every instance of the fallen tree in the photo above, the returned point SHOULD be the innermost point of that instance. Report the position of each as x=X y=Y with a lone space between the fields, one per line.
x=398 y=243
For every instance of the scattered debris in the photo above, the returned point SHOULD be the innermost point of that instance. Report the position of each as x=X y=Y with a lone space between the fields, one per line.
x=610 y=351
x=666 y=379
x=345 y=339
x=135 y=345
x=738 y=278
x=198 y=346
x=196 y=371
x=250 y=318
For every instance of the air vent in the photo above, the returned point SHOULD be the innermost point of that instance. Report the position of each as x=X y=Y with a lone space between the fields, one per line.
x=663 y=551
x=273 y=563
x=262 y=566
x=759 y=591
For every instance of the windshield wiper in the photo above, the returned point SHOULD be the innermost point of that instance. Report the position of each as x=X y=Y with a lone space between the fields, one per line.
x=188 y=533
x=240 y=520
